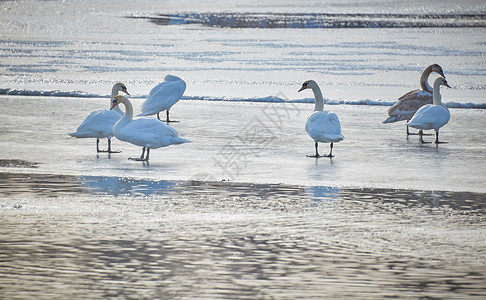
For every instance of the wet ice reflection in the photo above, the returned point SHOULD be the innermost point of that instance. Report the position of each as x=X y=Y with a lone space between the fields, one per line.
x=69 y=235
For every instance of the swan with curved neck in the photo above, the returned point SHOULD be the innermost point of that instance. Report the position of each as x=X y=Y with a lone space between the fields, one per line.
x=322 y=126
x=144 y=132
x=163 y=97
x=99 y=123
x=432 y=116
x=409 y=103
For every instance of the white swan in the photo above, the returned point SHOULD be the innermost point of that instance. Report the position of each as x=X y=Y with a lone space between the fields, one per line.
x=322 y=126
x=145 y=132
x=432 y=116
x=99 y=123
x=409 y=103
x=163 y=96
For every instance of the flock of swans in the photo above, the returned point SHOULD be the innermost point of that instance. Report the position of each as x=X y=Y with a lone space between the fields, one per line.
x=422 y=109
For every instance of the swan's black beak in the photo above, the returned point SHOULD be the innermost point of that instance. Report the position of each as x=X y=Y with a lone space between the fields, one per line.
x=442 y=73
x=447 y=85
x=115 y=103
x=125 y=91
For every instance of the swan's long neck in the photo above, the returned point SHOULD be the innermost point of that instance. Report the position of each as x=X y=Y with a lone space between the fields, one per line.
x=436 y=95
x=114 y=92
x=424 y=80
x=127 y=117
x=318 y=96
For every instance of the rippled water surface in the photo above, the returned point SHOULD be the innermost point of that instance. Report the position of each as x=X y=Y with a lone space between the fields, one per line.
x=241 y=212
x=62 y=236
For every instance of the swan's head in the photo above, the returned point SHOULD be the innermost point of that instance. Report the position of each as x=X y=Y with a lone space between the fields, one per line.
x=118 y=99
x=438 y=69
x=308 y=84
x=120 y=87
x=442 y=81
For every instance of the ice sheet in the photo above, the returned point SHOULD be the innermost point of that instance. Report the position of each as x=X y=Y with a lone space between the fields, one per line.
x=253 y=142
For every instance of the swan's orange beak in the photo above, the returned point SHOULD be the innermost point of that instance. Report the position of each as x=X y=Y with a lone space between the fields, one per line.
x=115 y=103
x=302 y=88
x=125 y=91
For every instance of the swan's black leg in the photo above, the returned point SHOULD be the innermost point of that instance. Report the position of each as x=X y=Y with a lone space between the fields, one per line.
x=98 y=146
x=421 y=137
x=420 y=132
x=330 y=153
x=147 y=157
x=168 y=120
x=317 y=152
x=408 y=131
x=109 y=147
x=141 y=158
x=437 y=138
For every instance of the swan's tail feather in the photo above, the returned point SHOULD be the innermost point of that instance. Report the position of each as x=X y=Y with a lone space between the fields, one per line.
x=180 y=141
x=390 y=119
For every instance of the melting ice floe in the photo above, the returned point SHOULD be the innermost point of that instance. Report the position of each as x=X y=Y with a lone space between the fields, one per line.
x=269 y=99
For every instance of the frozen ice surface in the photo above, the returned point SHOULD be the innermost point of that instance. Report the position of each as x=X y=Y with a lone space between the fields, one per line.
x=253 y=142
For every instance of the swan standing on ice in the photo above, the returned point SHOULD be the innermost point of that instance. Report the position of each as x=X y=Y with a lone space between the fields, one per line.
x=409 y=103
x=99 y=123
x=322 y=126
x=432 y=116
x=144 y=132
x=163 y=96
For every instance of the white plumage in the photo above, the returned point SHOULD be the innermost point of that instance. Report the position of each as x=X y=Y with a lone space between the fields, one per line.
x=163 y=97
x=432 y=116
x=147 y=133
x=99 y=123
x=322 y=126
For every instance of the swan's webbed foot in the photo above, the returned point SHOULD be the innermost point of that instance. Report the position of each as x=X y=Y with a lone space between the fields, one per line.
x=138 y=159
x=168 y=120
x=418 y=133
x=319 y=156
x=142 y=157
x=111 y=151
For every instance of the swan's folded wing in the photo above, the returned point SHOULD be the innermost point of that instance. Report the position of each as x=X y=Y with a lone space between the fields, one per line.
x=150 y=125
x=163 y=96
x=430 y=116
x=323 y=126
x=98 y=123
x=407 y=105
